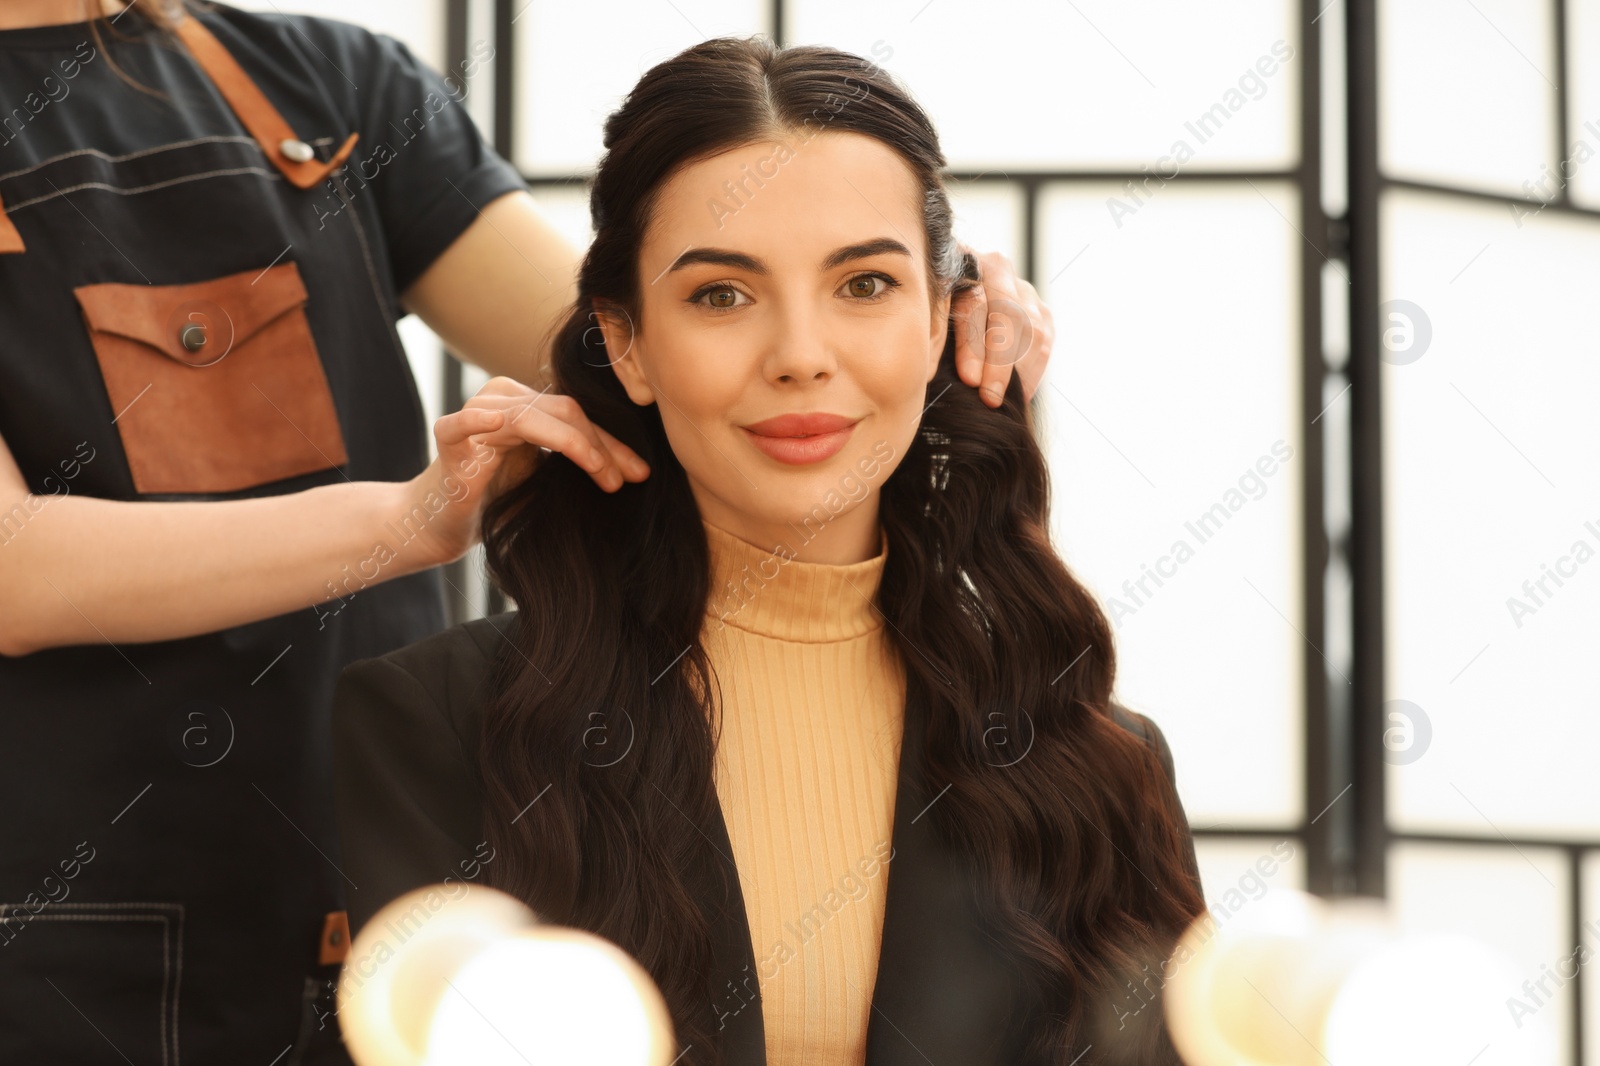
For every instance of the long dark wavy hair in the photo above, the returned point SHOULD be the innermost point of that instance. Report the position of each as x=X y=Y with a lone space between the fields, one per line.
x=1082 y=853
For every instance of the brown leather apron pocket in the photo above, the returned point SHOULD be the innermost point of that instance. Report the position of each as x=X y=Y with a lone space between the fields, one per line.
x=216 y=385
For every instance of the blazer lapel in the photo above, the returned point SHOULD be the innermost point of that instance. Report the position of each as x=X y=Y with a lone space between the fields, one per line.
x=736 y=996
x=944 y=990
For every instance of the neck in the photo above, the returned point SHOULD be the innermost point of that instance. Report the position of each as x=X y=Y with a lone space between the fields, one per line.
x=25 y=14
x=772 y=594
x=851 y=536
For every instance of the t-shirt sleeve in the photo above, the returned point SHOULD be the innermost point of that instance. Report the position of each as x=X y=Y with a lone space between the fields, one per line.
x=407 y=803
x=424 y=161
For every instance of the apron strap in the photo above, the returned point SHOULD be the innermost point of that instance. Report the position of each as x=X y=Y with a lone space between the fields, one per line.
x=10 y=239
x=291 y=155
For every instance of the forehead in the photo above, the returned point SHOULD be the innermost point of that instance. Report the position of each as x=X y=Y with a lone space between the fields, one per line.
x=789 y=203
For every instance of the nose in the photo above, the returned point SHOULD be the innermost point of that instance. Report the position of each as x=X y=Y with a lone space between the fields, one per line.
x=801 y=350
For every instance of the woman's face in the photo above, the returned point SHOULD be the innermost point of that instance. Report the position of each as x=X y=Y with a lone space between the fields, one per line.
x=784 y=279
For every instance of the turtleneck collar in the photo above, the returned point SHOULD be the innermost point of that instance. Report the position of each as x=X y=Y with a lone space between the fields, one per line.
x=765 y=591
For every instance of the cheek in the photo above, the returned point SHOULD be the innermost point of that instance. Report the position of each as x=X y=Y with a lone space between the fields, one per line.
x=698 y=380
x=895 y=379
x=895 y=368
x=700 y=372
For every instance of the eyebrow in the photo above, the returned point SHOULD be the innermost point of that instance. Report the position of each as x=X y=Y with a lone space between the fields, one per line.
x=741 y=261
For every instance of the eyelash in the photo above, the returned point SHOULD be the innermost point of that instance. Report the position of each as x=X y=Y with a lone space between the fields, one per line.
x=889 y=285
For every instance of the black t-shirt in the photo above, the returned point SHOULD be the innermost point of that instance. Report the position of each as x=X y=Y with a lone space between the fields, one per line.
x=168 y=852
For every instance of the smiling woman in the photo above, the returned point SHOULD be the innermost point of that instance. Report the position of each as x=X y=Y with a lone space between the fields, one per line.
x=918 y=666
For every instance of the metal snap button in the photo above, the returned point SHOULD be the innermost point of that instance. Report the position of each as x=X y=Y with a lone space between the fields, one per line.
x=295 y=150
x=192 y=337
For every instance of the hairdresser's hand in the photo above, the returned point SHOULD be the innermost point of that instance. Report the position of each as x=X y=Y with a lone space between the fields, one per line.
x=1000 y=324
x=494 y=442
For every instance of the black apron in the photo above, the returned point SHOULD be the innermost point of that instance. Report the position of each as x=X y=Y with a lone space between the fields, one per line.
x=179 y=322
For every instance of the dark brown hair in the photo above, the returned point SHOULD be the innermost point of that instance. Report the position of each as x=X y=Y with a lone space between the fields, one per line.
x=1083 y=856
x=164 y=15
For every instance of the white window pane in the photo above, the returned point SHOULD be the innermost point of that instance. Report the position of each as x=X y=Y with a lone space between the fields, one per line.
x=989 y=217
x=479 y=83
x=1466 y=91
x=1092 y=84
x=575 y=63
x=1177 y=373
x=419 y=23
x=1515 y=901
x=567 y=208
x=426 y=354
x=1335 y=132
x=1236 y=874
x=1581 y=154
x=1490 y=500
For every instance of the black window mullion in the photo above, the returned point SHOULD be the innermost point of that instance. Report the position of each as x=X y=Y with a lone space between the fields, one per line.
x=1365 y=726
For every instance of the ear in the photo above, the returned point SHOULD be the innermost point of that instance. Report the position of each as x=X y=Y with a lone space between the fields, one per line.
x=622 y=350
x=938 y=332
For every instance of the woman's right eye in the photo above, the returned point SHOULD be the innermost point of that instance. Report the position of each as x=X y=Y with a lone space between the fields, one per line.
x=723 y=297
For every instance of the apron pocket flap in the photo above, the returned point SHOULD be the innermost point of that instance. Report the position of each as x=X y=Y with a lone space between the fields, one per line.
x=195 y=324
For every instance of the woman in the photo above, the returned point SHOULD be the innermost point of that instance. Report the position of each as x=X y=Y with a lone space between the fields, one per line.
x=215 y=489
x=813 y=720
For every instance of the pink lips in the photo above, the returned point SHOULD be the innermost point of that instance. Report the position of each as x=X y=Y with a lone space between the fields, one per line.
x=801 y=438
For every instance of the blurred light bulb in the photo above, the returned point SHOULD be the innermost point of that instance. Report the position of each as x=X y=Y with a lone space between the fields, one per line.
x=1295 y=981
x=550 y=995
x=1430 y=999
x=466 y=974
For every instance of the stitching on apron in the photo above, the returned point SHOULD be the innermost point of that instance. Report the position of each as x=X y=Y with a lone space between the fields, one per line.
x=389 y=318
x=95 y=906
x=120 y=191
x=131 y=155
x=166 y=951
x=377 y=289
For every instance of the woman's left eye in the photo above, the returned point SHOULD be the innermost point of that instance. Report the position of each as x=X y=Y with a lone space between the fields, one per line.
x=861 y=286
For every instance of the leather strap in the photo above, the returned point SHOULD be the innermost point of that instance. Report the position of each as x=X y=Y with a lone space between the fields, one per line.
x=252 y=107
x=10 y=239
x=255 y=111
x=335 y=943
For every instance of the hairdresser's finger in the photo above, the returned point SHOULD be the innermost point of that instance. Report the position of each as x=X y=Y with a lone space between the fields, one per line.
x=557 y=422
x=532 y=417
x=977 y=328
x=501 y=385
x=1031 y=367
x=451 y=429
x=966 y=310
x=1007 y=331
x=608 y=450
x=632 y=464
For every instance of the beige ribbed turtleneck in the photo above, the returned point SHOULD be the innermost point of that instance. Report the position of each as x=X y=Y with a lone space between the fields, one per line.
x=813 y=695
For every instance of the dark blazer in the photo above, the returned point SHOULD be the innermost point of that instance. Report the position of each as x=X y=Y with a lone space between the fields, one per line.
x=408 y=794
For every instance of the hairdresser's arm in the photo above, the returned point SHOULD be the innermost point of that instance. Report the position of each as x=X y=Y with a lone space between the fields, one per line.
x=77 y=569
x=497 y=294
